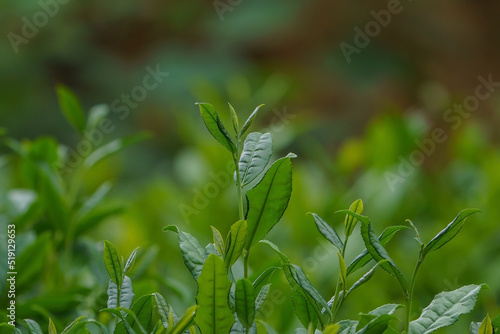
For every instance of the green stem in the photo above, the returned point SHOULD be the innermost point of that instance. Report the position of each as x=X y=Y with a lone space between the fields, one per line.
x=239 y=186
x=336 y=302
x=409 y=299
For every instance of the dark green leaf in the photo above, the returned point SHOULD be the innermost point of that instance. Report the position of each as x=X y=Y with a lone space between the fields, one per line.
x=449 y=232
x=378 y=252
x=185 y=321
x=112 y=262
x=362 y=259
x=235 y=242
x=328 y=232
x=268 y=200
x=214 y=315
x=245 y=302
x=215 y=126
x=234 y=119
x=264 y=278
x=249 y=121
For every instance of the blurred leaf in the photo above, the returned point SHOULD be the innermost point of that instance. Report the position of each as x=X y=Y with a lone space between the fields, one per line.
x=96 y=115
x=33 y=327
x=261 y=296
x=214 y=315
x=71 y=108
x=215 y=126
x=52 y=327
x=268 y=200
x=94 y=200
x=445 y=309
x=30 y=262
x=113 y=147
x=255 y=156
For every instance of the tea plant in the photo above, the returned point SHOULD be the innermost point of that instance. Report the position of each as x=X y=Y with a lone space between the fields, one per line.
x=229 y=302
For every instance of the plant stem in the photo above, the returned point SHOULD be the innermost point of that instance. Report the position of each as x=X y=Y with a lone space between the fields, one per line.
x=239 y=186
x=409 y=298
x=336 y=302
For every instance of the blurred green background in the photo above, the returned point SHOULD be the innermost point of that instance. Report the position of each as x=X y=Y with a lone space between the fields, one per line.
x=350 y=123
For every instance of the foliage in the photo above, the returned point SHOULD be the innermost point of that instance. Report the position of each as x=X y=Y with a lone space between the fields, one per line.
x=229 y=295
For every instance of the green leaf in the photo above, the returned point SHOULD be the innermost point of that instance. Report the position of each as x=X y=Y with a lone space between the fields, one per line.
x=261 y=297
x=193 y=253
x=350 y=221
x=52 y=327
x=96 y=115
x=347 y=327
x=268 y=200
x=143 y=310
x=365 y=278
x=112 y=262
x=163 y=309
x=249 y=121
x=113 y=147
x=255 y=156
x=332 y=329
x=33 y=327
x=303 y=309
x=130 y=261
x=92 y=202
x=486 y=327
x=214 y=315
x=449 y=232
x=234 y=119
x=327 y=232
x=377 y=325
x=126 y=294
x=378 y=252
x=445 y=309
x=218 y=242
x=75 y=326
x=367 y=318
x=235 y=242
x=364 y=258
x=245 y=302
x=185 y=322
x=30 y=263
x=264 y=278
x=71 y=108
x=496 y=322
x=215 y=126
x=343 y=270
x=301 y=279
